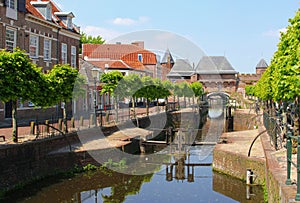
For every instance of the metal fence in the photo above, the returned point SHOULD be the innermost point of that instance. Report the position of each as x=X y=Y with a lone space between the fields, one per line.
x=274 y=128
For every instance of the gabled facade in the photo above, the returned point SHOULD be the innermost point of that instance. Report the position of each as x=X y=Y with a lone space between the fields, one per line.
x=216 y=74
x=46 y=33
x=181 y=70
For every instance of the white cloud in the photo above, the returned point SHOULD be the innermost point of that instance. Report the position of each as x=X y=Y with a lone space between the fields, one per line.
x=274 y=33
x=105 y=33
x=130 y=21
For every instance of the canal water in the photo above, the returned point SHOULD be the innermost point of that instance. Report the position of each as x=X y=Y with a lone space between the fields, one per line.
x=184 y=177
x=190 y=180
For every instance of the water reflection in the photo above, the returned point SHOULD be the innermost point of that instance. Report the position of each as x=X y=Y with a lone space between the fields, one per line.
x=188 y=178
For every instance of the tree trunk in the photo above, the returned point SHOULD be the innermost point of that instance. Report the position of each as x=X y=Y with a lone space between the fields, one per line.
x=157 y=106
x=14 y=121
x=147 y=107
x=116 y=101
x=166 y=104
x=296 y=126
x=65 y=118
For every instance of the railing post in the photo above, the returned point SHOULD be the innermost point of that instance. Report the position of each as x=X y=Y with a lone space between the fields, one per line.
x=298 y=170
x=289 y=158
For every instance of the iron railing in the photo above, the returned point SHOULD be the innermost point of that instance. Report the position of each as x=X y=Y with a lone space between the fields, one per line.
x=290 y=162
x=274 y=128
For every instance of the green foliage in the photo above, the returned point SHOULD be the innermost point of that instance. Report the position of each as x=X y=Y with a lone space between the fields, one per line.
x=250 y=90
x=110 y=81
x=197 y=88
x=87 y=39
x=263 y=88
x=19 y=78
x=282 y=80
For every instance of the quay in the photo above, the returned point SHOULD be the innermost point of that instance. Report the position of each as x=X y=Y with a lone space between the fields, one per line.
x=268 y=166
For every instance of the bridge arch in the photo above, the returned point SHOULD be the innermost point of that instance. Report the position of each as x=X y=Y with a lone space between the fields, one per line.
x=221 y=94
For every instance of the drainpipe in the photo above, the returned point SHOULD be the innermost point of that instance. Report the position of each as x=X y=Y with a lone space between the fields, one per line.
x=57 y=45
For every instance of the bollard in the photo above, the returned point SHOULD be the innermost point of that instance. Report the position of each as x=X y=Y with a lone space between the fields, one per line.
x=60 y=124
x=92 y=119
x=72 y=122
x=32 y=128
x=249 y=177
x=47 y=126
x=81 y=121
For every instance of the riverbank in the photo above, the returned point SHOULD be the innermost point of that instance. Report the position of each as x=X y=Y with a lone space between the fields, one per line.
x=267 y=165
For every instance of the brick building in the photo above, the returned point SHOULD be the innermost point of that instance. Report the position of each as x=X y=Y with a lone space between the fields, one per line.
x=46 y=33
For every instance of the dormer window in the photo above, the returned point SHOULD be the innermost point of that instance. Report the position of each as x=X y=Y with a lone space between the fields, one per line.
x=49 y=12
x=66 y=18
x=44 y=7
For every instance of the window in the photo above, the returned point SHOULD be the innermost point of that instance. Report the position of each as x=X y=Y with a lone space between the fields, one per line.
x=64 y=50
x=33 y=46
x=10 y=41
x=69 y=23
x=48 y=12
x=73 y=56
x=11 y=4
x=47 y=49
x=140 y=57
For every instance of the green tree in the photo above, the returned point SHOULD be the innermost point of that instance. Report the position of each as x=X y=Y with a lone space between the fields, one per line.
x=250 y=90
x=128 y=88
x=111 y=80
x=61 y=80
x=197 y=88
x=87 y=39
x=19 y=78
x=285 y=67
x=147 y=91
x=178 y=92
x=168 y=89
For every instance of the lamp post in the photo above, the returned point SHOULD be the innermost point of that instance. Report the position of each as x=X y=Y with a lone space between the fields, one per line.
x=95 y=74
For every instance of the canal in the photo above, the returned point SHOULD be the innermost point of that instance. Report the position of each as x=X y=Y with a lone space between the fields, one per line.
x=180 y=177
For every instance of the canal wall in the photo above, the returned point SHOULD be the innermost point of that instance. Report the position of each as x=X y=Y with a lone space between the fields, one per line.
x=21 y=163
x=231 y=158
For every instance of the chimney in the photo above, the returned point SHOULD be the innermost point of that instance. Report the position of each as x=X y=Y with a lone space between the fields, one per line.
x=139 y=44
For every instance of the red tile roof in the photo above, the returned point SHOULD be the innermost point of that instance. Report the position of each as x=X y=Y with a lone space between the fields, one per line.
x=32 y=10
x=115 y=64
x=109 y=51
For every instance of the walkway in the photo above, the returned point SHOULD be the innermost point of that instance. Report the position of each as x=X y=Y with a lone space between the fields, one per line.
x=239 y=142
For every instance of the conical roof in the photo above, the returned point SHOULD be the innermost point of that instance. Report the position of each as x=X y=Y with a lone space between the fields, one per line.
x=262 y=64
x=168 y=57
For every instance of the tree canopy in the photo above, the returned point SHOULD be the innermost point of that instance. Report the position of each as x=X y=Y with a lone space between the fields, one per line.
x=88 y=39
x=281 y=81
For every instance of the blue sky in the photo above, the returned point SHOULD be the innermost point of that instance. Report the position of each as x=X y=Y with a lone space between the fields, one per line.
x=243 y=31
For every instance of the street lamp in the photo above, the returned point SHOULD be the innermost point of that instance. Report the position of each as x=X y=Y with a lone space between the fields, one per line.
x=95 y=74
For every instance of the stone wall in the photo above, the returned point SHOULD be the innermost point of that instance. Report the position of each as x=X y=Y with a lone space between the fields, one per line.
x=236 y=165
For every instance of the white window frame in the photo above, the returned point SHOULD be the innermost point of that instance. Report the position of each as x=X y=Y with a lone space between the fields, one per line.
x=47 y=49
x=64 y=53
x=10 y=44
x=34 y=43
x=73 y=56
x=11 y=4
